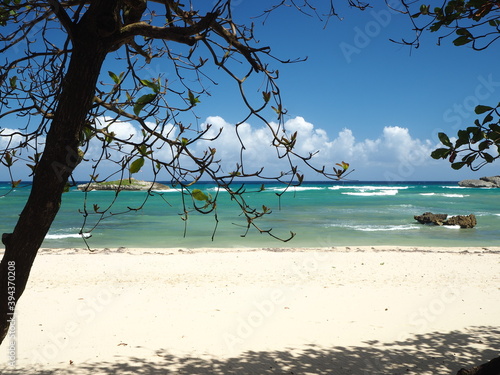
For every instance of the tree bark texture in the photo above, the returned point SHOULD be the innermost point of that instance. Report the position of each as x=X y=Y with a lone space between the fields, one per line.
x=60 y=157
x=489 y=368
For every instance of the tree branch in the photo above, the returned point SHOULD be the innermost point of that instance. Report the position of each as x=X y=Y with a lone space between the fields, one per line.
x=185 y=35
x=62 y=16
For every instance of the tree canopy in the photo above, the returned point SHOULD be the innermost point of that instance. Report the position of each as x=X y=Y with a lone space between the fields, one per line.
x=57 y=83
x=474 y=24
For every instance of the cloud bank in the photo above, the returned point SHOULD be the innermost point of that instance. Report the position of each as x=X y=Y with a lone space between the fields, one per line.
x=394 y=155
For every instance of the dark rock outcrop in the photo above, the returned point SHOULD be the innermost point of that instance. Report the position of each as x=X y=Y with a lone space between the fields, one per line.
x=430 y=218
x=488 y=182
x=130 y=185
x=464 y=221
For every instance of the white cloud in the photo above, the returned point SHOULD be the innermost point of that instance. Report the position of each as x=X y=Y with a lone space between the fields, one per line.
x=393 y=155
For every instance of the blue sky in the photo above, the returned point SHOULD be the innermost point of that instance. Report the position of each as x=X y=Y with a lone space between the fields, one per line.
x=356 y=79
x=380 y=104
x=360 y=97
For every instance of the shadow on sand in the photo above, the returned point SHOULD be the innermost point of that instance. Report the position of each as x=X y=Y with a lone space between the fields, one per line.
x=435 y=353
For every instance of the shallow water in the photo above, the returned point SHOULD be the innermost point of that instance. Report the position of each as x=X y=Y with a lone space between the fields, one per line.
x=320 y=213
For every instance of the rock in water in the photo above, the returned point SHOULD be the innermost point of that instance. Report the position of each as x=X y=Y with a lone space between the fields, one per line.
x=125 y=184
x=465 y=221
x=430 y=218
x=488 y=182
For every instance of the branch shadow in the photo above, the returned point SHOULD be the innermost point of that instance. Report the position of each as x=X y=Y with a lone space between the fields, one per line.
x=433 y=353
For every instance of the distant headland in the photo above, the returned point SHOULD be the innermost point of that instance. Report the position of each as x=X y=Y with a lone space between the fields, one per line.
x=488 y=182
x=130 y=184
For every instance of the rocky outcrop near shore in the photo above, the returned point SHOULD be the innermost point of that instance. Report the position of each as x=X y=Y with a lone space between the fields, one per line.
x=488 y=182
x=126 y=184
x=464 y=221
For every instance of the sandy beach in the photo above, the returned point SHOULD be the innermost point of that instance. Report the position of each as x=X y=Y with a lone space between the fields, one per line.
x=342 y=310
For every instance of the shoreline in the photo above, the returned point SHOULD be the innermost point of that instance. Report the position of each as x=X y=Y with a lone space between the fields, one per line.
x=281 y=249
x=343 y=310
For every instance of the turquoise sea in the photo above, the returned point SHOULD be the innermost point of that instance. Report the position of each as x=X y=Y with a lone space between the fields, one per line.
x=322 y=214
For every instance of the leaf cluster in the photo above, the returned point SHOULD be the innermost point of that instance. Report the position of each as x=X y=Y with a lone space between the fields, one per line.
x=474 y=22
x=165 y=54
x=477 y=145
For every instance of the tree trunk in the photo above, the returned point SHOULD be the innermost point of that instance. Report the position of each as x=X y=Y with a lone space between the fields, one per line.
x=59 y=158
x=489 y=368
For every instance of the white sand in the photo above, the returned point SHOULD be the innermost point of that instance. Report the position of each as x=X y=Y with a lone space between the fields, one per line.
x=275 y=311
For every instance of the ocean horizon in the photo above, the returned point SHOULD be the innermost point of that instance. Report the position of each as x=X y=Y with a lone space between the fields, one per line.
x=320 y=213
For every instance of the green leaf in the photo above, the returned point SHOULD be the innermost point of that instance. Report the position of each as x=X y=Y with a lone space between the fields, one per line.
x=488 y=158
x=488 y=118
x=440 y=153
x=435 y=27
x=13 y=82
x=463 y=138
x=9 y=160
x=461 y=40
x=136 y=165
x=495 y=128
x=114 y=77
x=444 y=139
x=193 y=100
x=152 y=85
x=478 y=135
x=463 y=32
x=199 y=195
x=267 y=96
x=142 y=101
x=482 y=108
x=458 y=165
x=484 y=145
x=143 y=150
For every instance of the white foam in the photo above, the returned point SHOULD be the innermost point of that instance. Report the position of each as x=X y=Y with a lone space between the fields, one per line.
x=295 y=188
x=378 y=228
x=373 y=193
x=446 y=195
x=386 y=228
x=63 y=236
x=368 y=187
